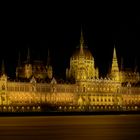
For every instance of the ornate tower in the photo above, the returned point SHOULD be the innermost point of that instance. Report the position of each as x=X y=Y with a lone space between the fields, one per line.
x=81 y=71
x=115 y=69
x=82 y=63
x=3 y=86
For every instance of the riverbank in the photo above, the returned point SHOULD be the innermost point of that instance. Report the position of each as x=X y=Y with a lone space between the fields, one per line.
x=67 y=113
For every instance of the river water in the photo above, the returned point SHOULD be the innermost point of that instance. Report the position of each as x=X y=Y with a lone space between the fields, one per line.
x=94 y=127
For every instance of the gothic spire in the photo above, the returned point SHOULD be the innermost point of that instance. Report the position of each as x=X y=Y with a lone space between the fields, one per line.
x=81 y=41
x=115 y=68
x=114 y=53
x=114 y=61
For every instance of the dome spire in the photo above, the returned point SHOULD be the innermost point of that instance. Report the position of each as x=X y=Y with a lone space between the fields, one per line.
x=81 y=41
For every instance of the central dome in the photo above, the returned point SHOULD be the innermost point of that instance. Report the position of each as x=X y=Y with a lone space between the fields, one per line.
x=86 y=53
x=82 y=51
x=82 y=63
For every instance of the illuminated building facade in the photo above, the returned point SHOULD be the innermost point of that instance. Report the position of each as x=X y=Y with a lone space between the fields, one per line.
x=82 y=65
x=32 y=91
x=37 y=68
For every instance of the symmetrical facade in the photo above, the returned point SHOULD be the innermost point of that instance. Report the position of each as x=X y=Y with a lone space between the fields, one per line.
x=87 y=93
x=82 y=65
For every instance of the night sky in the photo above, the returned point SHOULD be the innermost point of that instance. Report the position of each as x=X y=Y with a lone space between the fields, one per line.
x=58 y=28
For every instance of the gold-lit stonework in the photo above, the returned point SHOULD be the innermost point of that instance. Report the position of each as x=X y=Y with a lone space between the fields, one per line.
x=82 y=65
x=35 y=88
x=36 y=68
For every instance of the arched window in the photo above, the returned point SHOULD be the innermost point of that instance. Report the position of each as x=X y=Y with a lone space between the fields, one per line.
x=84 y=89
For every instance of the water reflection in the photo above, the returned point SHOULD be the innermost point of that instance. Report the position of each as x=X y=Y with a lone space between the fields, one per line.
x=71 y=127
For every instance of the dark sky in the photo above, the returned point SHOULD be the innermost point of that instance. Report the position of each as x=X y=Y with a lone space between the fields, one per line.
x=58 y=28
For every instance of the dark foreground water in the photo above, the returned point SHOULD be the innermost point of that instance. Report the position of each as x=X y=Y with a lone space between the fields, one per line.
x=103 y=127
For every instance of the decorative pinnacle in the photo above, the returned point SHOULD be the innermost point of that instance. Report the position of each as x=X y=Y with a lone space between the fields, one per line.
x=81 y=41
x=114 y=53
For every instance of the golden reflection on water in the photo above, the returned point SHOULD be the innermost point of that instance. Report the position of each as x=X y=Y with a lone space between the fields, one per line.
x=101 y=127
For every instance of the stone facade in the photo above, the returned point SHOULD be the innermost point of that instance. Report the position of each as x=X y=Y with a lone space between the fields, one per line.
x=87 y=93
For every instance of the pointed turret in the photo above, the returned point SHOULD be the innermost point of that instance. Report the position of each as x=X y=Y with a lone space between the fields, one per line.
x=114 y=62
x=81 y=42
x=114 y=53
x=115 y=68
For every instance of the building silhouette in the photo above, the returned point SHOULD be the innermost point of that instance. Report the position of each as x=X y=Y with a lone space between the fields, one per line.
x=35 y=88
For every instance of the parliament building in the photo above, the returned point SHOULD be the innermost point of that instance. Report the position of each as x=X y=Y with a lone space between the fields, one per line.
x=36 y=89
